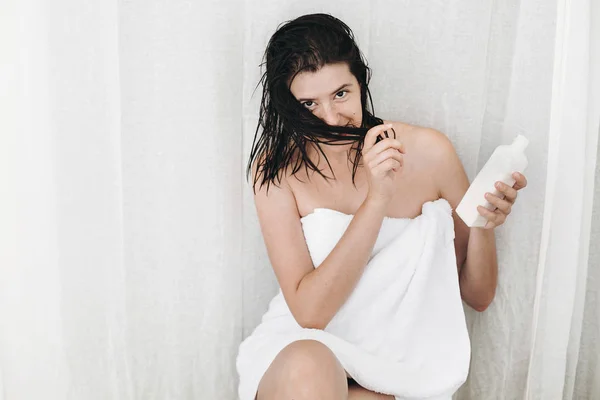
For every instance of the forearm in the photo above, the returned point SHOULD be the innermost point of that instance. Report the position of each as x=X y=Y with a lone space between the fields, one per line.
x=479 y=274
x=323 y=291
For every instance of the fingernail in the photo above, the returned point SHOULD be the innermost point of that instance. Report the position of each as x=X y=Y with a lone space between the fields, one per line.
x=498 y=185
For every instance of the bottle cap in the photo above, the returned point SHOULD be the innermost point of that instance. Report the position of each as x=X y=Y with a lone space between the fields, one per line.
x=520 y=143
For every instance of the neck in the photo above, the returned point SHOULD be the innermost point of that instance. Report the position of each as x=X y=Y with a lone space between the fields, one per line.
x=339 y=156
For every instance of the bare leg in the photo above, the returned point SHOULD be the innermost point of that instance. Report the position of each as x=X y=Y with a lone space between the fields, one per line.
x=304 y=370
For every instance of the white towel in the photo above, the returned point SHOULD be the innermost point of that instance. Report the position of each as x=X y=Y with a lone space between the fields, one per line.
x=402 y=331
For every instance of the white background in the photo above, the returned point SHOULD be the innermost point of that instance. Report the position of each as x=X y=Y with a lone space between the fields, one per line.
x=132 y=263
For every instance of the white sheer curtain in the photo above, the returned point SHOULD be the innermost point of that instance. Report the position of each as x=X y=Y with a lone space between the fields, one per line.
x=131 y=262
x=566 y=269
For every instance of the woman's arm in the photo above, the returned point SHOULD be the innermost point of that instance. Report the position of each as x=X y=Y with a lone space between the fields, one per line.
x=314 y=295
x=478 y=276
x=475 y=247
x=482 y=246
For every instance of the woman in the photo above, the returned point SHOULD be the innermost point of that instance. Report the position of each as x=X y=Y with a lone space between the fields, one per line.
x=321 y=148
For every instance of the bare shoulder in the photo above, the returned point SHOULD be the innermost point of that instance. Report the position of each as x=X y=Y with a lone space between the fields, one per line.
x=274 y=201
x=432 y=151
x=428 y=145
x=282 y=233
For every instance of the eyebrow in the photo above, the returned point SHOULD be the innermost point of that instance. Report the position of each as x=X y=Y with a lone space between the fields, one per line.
x=345 y=85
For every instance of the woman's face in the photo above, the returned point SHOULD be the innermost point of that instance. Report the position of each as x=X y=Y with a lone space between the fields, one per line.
x=332 y=94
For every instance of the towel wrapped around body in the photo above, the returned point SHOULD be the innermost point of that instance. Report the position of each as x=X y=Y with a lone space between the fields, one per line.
x=402 y=330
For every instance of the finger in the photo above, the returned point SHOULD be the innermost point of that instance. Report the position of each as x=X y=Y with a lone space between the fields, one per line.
x=381 y=137
x=491 y=225
x=374 y=135
x=387 y=134
x=491 y=216
x=371 y=136
x=388 y=165
x=502 y=205
x=520 y=181
x=509 y=193
x=385 y=155
x=384 y=145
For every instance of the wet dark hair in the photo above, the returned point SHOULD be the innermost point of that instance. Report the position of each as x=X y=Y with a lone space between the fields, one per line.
x=304 y=44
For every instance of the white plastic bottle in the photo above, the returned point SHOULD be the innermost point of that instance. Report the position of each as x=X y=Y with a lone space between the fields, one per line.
x=505 y=160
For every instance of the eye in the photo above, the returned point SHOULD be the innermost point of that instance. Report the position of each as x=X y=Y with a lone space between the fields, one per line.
x=343 y=94
x=308 y=104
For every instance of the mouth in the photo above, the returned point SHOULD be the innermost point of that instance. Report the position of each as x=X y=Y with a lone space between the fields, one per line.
x=348 y=124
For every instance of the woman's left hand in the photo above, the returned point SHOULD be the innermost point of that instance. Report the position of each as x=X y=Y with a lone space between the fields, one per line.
x=503 y=205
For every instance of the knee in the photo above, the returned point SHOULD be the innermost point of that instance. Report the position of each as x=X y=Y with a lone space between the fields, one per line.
x=310 y=365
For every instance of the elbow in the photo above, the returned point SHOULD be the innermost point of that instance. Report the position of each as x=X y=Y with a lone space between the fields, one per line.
x=481 y=304
x=309 y=320
x=480 y=307
x=311 y=325
x=478 y=300
x=308 y=314
x=478 y=295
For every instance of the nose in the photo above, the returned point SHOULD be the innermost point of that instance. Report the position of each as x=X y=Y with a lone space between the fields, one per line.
x=330 y=116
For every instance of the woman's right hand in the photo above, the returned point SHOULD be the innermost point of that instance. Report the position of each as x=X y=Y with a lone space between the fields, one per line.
x=382 y=162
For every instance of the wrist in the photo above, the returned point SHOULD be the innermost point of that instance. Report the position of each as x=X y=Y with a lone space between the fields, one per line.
x=480 y=230
x=376 y=204
x=479 y=234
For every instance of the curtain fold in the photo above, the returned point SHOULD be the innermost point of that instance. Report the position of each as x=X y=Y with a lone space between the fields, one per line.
x=562 y=273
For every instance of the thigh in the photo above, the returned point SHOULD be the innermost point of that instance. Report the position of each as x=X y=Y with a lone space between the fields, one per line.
x=305 y=369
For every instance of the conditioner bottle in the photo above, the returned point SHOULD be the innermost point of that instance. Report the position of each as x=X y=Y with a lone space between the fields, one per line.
x=505 y=160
